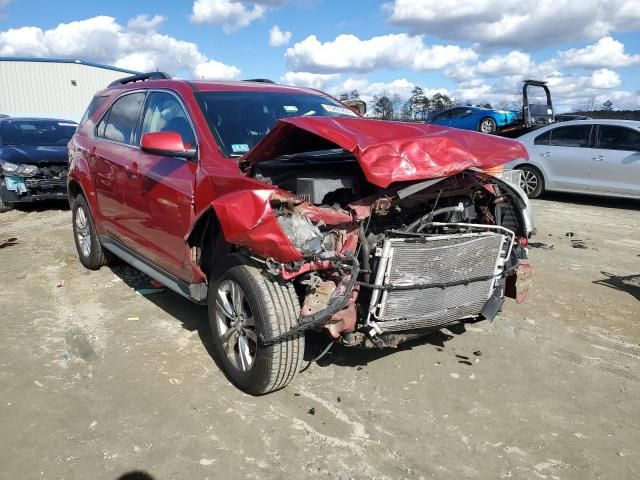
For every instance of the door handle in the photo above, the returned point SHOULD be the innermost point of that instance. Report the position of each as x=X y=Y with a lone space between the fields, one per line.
x=132 y=170
x=598 y=158
x=545 y=154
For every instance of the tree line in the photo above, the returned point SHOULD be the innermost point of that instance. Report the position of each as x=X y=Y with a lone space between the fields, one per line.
x=392 y=107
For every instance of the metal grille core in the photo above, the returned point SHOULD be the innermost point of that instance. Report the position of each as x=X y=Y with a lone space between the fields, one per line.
x=446 y=259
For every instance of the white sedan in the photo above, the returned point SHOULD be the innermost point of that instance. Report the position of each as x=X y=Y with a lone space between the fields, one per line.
x=599 y=157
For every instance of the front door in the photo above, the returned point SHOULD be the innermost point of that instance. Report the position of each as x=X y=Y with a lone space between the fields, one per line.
x=615 y=164
x=159 y=189
x=565 y=154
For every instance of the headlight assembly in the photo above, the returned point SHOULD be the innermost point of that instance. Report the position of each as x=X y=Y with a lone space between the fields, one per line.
x=18 y=170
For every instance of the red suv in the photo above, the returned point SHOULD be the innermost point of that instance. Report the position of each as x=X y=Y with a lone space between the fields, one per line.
x=284 y=211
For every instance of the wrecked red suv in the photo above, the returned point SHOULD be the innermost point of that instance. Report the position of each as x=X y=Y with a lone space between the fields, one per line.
x=284 y=211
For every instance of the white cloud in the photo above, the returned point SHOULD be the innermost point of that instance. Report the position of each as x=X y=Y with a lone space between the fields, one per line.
x=318 y=81
x=138 y=46
x=231 y=14
x=606 y=52
x=348 y=53
x=212 y=69
x=278 y=38
x=526 y=24
x=605 y=78
x=512 y=63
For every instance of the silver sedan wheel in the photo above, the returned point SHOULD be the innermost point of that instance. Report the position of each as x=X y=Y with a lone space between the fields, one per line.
x=82 y=232
x=487 y=126
x=528 y=181
x=236 y=325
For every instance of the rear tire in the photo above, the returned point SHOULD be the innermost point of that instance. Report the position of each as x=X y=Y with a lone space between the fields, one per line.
x=531 y=181
x=90 y=251
x=244 y=304
x=487 y=125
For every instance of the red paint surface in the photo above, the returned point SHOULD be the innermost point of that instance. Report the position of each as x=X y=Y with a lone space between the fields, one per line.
x=391 y=152
x=169 y=141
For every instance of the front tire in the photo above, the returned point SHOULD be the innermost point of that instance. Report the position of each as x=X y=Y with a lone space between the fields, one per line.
x=487 y=125
x=531 y=181
x=90 y=251
x=5 y=207
x=246 y=303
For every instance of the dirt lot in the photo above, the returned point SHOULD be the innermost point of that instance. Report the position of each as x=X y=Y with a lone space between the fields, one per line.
x=96 y=381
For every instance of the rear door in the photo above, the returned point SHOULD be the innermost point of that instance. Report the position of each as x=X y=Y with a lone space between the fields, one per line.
x=565 y=154
x=110 y=154
x=615 y=164
x=159 y=190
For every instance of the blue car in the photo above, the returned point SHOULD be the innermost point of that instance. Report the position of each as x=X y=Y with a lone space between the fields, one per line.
x=484 y=120
x=33 y=160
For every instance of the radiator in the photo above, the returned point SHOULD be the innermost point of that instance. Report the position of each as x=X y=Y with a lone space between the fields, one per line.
x=463 y=267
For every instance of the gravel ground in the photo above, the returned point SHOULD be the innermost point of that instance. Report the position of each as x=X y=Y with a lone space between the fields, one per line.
x=96 y=381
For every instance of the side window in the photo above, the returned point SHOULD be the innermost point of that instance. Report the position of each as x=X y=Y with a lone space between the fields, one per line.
x=571 y=136
x=164 y=113
x=91 y=109
x=543 y=139
x=120 y=122
x=458 y=112
x=619 y=138
x=441 y=117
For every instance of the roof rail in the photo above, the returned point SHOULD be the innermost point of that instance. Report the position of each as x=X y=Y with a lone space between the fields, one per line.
x=141 y=77
x=259 y=80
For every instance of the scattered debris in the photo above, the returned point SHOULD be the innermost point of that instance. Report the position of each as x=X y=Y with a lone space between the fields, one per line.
x=133 y=318
x=65 y=355
x=149 y=291
x=454 y=375
x=544 y=246
x=38 y=383
x=578 y=244
x=570 y=234
x=8 y=242
x=477 y=353
x=339 y=400
x=312 y=411
x=60 y=283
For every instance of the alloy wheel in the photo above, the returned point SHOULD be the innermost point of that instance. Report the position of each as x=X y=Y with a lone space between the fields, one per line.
x=528 y=181
x=82 y=232
x=236 y=325
x=487 y=126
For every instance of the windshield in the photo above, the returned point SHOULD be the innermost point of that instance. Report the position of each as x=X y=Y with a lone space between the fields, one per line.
x=240 y=119
x=36 y=132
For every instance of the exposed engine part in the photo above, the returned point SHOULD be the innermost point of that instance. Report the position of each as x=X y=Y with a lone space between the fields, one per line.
x=304 y=235
x=318 y=190
x=319 y=296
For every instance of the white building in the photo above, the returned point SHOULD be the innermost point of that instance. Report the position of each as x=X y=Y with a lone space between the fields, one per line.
x=49 y=87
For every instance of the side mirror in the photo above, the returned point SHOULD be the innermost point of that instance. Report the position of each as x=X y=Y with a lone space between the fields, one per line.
x=167 y=144
x=357 y=106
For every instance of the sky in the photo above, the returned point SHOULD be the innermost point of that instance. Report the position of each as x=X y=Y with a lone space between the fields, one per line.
x=476 y=51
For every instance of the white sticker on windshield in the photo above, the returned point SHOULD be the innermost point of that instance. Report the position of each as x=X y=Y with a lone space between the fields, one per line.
x=65 y=124
x=340 y=110
x=290 y=108
x=239 y=147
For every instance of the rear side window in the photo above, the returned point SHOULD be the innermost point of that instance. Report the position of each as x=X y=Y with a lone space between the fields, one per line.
x=441 y=117
x=619 y=138
x=543 y=139
x=571 y=136
x=91 y=109
x=119 y=123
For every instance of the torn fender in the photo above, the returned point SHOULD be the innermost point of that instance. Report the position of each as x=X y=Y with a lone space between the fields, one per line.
x=387 y=151
x=246 y=219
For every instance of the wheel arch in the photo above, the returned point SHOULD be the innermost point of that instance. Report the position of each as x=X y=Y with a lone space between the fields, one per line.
x=206 y=235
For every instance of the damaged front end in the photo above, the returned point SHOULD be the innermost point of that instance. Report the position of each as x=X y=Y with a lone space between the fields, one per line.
x=376 y=260
x=23 y=183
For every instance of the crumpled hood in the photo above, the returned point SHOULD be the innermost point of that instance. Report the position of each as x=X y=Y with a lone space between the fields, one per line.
x=34 y=155
x=387 y=151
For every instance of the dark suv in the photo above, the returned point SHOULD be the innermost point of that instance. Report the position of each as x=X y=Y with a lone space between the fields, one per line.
x=284 y=211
